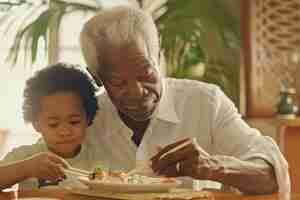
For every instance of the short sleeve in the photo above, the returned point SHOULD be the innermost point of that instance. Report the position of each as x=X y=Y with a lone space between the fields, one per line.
x=21 y=153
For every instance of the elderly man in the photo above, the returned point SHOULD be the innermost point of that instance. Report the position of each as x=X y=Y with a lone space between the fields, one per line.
x=141 y=111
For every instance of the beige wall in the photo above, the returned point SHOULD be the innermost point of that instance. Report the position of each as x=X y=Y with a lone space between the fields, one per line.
x=267 y=126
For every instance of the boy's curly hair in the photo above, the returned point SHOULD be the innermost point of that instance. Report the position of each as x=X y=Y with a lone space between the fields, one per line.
x=60 y=77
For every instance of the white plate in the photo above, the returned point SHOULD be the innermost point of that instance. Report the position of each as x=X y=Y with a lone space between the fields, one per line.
x=128 y=187
x=37 y=198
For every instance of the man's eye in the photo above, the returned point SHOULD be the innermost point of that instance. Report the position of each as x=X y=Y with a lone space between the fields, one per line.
x=148 y=75
x=116 y=83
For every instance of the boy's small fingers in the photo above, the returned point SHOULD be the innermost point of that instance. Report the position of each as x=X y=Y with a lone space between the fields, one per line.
x=58 y=160
x=51 y=173
x=56 y=170
x=61 y=171
x=65 y=163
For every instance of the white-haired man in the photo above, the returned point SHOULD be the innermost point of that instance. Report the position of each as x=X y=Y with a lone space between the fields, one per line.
x=140 y=111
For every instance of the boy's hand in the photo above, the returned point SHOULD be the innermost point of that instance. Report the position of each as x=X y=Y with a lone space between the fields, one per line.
x=47 y=166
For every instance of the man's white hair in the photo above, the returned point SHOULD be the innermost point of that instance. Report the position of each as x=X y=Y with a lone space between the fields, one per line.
x=114 y=28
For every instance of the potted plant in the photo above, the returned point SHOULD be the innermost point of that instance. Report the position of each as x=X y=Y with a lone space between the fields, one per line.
x=200 y=39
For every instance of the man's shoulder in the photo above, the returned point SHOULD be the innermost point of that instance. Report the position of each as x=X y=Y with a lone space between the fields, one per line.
x=102 y=95
x=189 y=87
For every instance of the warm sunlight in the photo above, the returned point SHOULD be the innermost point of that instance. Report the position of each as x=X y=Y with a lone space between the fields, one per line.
x=11 y=87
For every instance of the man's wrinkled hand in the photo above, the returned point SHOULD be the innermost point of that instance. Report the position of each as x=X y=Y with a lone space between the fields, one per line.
x=190 y=160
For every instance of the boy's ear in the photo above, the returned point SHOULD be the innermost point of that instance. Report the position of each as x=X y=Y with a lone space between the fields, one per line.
x=36 y=126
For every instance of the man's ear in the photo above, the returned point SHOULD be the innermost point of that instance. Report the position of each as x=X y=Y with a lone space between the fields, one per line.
x=95 y=77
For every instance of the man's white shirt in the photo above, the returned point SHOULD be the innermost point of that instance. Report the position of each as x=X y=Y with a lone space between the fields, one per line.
x=187 y=109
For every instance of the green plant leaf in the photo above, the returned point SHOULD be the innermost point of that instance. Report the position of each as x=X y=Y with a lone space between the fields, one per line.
x=31 y=33
x=39 y=29
x=14 y=50
x=208 y=27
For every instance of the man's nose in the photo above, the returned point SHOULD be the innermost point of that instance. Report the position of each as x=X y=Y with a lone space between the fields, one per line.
x=135 y=89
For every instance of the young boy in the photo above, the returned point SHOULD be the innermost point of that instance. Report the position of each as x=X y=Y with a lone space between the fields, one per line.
x=60 y=103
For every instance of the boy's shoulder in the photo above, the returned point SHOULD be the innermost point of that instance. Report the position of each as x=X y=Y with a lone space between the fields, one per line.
x=24 y=151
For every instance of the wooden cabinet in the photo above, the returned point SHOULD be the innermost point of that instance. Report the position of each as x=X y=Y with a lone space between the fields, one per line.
x=288 y=137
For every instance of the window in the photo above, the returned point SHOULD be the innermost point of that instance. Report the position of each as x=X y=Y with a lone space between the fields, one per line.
x=12 y=82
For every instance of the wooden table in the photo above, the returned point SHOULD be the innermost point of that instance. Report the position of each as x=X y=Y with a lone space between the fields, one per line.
x=288 y=137
x=63 y=194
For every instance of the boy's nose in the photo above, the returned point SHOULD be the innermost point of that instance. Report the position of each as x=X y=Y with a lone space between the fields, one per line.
x=64 y=131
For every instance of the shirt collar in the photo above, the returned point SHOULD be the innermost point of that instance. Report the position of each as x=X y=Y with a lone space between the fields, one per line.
x=117 y=122
x=166 y=108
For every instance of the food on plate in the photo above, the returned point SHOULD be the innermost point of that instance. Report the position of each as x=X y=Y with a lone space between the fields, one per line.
x=121 y=177
x=98 y=173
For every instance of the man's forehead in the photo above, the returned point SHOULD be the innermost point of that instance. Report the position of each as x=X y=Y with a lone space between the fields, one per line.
x=132 y=54
x=137 y=64
x=134 y=49
x=128 y=55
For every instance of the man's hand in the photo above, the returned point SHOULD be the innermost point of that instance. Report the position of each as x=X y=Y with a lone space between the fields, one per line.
x=190 y=160
x=250 y=177
x=46 y=166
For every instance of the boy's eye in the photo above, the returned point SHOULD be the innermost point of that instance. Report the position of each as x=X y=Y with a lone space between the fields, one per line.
x=75 y=122
x=53 y=125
